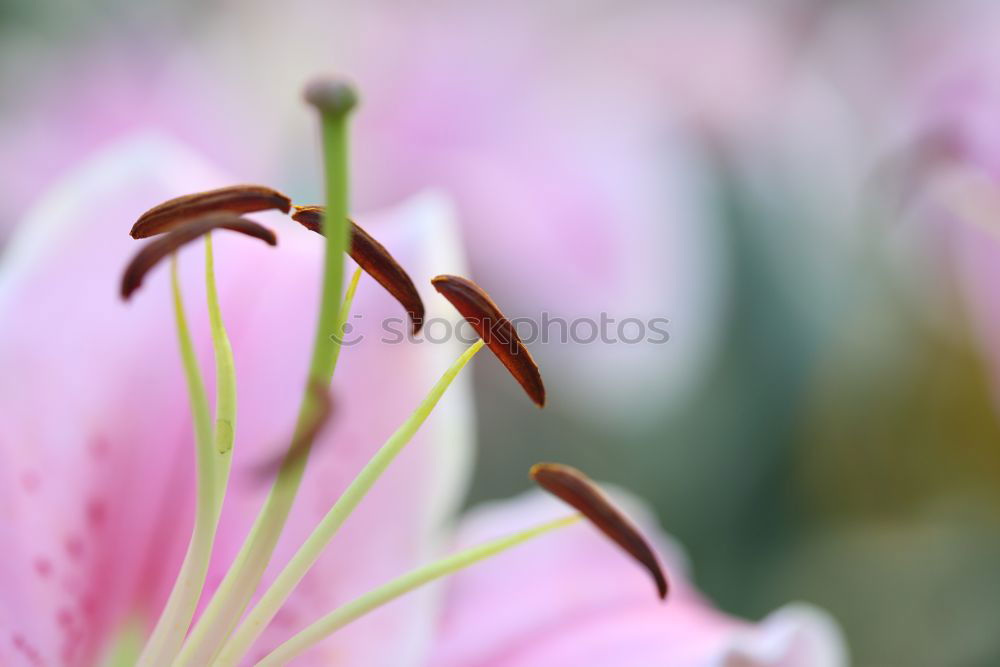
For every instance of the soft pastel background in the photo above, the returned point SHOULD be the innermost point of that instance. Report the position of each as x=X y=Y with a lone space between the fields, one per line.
x=807 y=190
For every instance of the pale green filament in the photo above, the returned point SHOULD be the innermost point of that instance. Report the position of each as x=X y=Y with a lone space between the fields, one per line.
x=368 y=602
x=307 y=554
x=345 y=312
x=225 y=372
x=213 y=458
x=342 y=318
x=237 y=588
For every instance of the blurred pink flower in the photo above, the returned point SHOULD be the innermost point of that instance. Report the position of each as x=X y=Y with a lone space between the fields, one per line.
x=942 y=71
x=572 y=600
x=97 y=480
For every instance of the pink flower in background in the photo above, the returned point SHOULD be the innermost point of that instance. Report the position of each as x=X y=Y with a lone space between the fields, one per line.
x=559 y=144
x=95 y=440
x=574 y=601
x=943 y=68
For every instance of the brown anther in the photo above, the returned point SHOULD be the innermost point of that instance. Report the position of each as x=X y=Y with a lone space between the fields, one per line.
x=577 y=490
x=232 y=199
x=310 y=217
x=304 y=438
x=375 y=260
x=156 y=250
x=496 y=331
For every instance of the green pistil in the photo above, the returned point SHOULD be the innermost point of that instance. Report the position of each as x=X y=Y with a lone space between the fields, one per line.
x=309 y=552
x=337 y=235
x=237 y=588
x=368 y=602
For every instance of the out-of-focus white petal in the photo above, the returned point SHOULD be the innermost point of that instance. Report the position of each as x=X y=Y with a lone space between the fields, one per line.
x=797 y=635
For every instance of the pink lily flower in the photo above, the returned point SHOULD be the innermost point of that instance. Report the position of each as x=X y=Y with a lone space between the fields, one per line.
x=98 y=479
x=96 y=435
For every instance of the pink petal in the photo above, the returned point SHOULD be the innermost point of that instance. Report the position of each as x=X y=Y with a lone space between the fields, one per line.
x=95 y=438
x=573 y=599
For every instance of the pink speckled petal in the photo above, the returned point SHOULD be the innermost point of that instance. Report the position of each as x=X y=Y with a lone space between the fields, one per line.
x=96 y=481
x=94 y=439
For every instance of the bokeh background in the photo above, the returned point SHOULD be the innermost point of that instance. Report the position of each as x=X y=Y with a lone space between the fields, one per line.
x=806 y=190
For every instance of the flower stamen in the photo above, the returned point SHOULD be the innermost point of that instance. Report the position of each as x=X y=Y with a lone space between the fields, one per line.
x=334 y=100
x=579 y=491
x=568 y=484
x=220 y=638
x=155 y=251
x=501 y=337
x=214 y=459
x=368 y=602
x=375 y=260
x=236 y=199
x=269 y=604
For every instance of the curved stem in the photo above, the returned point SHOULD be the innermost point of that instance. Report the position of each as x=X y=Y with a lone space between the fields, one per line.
x=368 y=602
x=225 y=374
x=225 y=386
x=237 y=588
x=176 y=616
x=309 y=552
